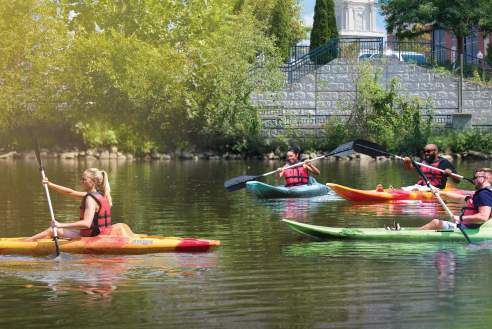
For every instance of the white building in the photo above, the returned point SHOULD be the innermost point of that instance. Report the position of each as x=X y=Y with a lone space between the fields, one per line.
x=356 y=19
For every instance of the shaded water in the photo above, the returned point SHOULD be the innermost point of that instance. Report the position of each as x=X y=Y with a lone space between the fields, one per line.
x=263 y=275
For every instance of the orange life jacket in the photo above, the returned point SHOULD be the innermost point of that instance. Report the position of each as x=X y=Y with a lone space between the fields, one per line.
x=296 y=176
x=101 y=222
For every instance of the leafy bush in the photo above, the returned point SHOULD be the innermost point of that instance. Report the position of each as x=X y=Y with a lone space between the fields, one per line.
x=460 y=141
x=383 y=116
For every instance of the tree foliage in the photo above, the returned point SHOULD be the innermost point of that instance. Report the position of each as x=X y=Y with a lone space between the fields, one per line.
x=409 y=18
x=32 y=49
x=280 y=29
x=324 y=30
x=485 y=19
x=282 y=19
x=155 y=72
x=324 y=23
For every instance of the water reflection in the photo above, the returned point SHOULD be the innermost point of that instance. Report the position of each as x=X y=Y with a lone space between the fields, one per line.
x=445 y=264
x=101 y=276
x=397 y=208
x=299 y=209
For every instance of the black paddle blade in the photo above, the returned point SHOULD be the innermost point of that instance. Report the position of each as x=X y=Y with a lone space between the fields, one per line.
x=238 y=183
x=38 y=155
x=369 y=148
x=343 y=150
x=57 y=246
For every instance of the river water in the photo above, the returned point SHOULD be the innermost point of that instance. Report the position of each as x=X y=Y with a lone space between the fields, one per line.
x=263 y=275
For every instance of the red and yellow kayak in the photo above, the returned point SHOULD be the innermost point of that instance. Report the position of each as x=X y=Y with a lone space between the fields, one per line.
x=120 y=241
x=353 y=194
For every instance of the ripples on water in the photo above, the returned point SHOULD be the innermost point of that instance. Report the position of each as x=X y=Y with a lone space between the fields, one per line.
x=263 y=275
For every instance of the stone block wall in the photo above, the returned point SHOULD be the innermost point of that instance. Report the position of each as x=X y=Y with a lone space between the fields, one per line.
x=306 y=105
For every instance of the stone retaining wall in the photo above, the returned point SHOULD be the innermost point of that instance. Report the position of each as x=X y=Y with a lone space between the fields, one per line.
x=306 y=105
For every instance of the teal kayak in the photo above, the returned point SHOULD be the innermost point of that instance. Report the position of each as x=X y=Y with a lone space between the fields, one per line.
x=381 y=234
x=265 y=191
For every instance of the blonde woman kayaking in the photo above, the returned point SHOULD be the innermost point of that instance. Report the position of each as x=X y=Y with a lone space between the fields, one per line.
x=95 y=207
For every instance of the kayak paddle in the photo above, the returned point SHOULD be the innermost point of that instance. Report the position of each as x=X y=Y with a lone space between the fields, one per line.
x=438 y=197
x=41 y=168
x=239 y=182
x=374 y=150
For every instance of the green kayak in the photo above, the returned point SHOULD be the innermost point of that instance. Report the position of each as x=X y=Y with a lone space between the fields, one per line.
x=381 y=234
x=265 y=191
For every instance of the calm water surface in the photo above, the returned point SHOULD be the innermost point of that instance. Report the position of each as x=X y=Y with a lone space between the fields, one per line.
x=263 y=275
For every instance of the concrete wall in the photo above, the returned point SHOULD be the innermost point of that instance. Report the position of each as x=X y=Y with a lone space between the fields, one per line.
x=306 y=105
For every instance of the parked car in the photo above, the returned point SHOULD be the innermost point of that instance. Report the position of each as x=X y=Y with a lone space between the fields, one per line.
x=402 y=56
x=410 y=56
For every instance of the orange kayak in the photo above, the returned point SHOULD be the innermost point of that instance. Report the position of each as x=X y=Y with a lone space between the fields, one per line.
x=120 y=241
x=353 y=194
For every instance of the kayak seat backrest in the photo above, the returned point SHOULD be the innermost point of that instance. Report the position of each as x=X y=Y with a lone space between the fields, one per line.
x=121 y=230
x=487 y=225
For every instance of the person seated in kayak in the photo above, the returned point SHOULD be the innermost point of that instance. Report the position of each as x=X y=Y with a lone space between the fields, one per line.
x=95 y=207
x=298 y=175
x=436 y=178
x=478 y=207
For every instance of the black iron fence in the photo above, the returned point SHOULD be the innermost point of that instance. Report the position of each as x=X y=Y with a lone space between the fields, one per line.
x=302 y=61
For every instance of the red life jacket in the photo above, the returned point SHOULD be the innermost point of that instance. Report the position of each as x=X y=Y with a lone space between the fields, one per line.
x=101 y=223
x=296 y=176
x=435 y=177
x=470 y=208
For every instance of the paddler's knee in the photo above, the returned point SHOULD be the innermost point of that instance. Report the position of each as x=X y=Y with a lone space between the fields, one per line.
x=436 y=224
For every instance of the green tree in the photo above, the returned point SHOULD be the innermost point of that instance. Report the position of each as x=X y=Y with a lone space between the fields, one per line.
x=280 y=29
x=324 y=27
x=32 y=47
x=485 y=20
x=408 y=18
x=281 y=18
x=141 y=74
x=172 y=73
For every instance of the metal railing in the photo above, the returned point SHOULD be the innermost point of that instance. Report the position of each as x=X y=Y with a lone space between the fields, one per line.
x=302 y=61
x=271 y=120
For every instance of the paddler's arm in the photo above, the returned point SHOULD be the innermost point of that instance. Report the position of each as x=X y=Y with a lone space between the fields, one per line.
x=481 y=217
x=407 y=163
x=451 y=173
x=281 y=172
x=90 y=210
x=310 y=167
x=451 y=196
x=449 y=170
x=64 y=190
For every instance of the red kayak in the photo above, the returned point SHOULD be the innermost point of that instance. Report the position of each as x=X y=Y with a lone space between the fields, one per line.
x=353 y=194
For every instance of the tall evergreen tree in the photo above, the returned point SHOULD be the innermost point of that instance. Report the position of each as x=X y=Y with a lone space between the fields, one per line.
x=280 y=28
x=324 y=27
